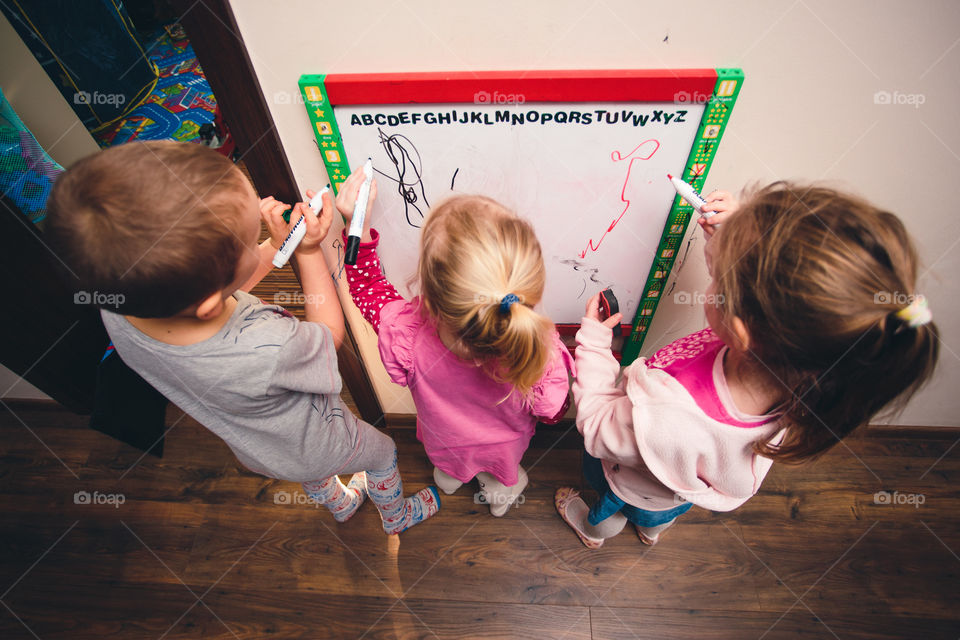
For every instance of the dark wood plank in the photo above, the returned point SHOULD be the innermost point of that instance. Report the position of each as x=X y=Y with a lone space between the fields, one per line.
x=148 y=612
x=617 y=624
x=866 y=569
x=59 y=348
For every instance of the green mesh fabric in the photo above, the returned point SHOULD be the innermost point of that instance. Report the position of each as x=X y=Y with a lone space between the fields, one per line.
x=27 y=173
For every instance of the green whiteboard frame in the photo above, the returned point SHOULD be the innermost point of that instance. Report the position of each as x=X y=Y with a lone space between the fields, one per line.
x=613 y=85
x=713 y=124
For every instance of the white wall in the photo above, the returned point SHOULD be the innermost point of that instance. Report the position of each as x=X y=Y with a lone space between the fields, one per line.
x=806 y=111
x=55 y=126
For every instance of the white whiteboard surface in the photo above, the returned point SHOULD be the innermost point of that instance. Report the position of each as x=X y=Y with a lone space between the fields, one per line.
x=596 y=193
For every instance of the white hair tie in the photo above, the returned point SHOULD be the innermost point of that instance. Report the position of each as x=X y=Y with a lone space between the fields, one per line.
x=917 y=313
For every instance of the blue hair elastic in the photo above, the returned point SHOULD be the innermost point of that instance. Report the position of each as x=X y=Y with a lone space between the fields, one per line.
x=506 y=301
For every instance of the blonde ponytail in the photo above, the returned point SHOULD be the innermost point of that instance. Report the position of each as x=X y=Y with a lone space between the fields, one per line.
x=474 y=255
x=517 y=338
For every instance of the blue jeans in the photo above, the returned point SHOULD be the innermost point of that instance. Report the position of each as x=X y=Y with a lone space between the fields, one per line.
x=609 y=503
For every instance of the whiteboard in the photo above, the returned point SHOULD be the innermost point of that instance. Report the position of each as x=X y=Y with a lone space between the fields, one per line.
x=596 y=191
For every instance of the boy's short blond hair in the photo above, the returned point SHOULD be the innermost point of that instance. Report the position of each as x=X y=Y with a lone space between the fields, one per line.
x=152 y=226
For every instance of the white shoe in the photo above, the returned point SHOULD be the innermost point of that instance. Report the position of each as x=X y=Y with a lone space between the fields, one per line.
x=499 y=496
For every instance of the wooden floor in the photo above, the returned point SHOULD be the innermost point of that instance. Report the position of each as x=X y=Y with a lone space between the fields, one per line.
x=201 y=548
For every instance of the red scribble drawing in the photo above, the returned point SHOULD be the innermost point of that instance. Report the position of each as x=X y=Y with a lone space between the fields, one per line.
x=616 y=156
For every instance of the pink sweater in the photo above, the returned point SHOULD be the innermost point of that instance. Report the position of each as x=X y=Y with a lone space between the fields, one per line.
x=463 y=421
x=667 y=431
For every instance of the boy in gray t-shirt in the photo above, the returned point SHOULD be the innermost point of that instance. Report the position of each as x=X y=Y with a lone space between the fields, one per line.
x=165 y=235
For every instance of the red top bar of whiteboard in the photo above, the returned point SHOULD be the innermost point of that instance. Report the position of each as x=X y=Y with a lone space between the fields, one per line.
x=628 y=85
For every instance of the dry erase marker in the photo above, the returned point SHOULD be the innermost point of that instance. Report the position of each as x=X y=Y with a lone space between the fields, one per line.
x=688 y=193
x=359 y=212
x=296 y=234
x=608 y=307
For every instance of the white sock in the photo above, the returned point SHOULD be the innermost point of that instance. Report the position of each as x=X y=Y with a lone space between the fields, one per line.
x=447 y=483
x=499 y=496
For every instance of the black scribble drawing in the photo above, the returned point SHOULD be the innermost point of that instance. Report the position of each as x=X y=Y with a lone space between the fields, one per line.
x=666 y=38
x=683 y=259
x=338 y=245
x=677 y=267
x=585 y=269
x=406 y=160
x=454 y=178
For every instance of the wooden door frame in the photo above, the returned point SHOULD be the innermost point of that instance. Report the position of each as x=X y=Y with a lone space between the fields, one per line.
x=222 y=54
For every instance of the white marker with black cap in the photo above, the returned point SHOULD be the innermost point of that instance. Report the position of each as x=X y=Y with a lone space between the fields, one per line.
x=359 y=212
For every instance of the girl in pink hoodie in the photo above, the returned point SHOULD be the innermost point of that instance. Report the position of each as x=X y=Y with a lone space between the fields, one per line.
x=814 y=327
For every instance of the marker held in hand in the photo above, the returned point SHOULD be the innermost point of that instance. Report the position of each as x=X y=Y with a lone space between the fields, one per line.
x=359 y=213
x=292 y=241
x=609 y=306
x=688 y=193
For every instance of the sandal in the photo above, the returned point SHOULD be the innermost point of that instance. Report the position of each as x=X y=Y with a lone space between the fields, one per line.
x=563 y=499
x=644 y=538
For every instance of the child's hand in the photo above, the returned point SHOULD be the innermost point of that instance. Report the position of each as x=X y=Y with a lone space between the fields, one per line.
x=347 y=198
x=723 y=204
x=317 y=225
x=593 y=312
x=271 y=212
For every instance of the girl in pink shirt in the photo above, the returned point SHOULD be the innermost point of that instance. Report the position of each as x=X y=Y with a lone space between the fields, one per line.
x=483 y=367
x=814 y=327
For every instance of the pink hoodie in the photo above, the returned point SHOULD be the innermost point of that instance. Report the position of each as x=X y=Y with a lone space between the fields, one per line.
x=667 y=430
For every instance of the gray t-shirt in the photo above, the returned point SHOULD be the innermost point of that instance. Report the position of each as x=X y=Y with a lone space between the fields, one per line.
x=266 y=383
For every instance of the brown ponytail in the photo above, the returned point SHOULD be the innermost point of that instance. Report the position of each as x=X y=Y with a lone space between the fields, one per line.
x=817 y=277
